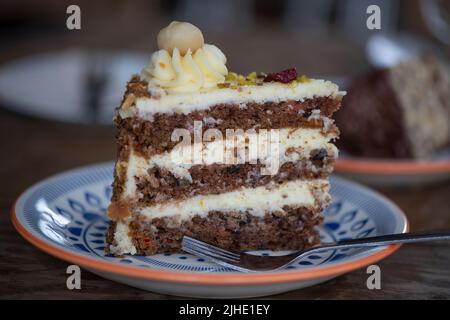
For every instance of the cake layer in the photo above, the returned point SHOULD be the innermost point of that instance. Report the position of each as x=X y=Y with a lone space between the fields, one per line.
x=160 y=185
x=248 y=148
x=289 y=145
x=272 y=197
x=293 y=230
x=150 y=101
x=155 y=136
x=268 y=198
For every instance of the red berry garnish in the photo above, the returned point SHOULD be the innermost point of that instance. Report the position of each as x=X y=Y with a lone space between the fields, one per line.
x=285 y=76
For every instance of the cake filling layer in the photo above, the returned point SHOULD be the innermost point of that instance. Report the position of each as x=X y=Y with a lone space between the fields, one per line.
x=159 y=101
x=256 y=201
x=270 y=150
x=121 y=241
x=159 y=185
x=149 y=137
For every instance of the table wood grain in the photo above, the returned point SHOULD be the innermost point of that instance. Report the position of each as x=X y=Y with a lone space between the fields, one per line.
x=33 y=149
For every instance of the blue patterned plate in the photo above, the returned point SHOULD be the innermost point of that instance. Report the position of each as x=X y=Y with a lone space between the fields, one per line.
x=65 y=216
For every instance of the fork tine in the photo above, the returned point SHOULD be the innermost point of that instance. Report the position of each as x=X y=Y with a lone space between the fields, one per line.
x=208 y=253
x=199 y=251
x=217 y=254
x=215 y=260
x=211 y=251
x=215 y=248
x=211 y=247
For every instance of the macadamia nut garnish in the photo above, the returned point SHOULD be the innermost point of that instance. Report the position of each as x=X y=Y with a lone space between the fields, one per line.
x=181 y=35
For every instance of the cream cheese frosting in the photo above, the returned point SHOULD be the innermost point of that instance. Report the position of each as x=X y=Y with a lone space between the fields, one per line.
x=122 y=241
x=257 y=201
x=185 y=102
x=191 y=72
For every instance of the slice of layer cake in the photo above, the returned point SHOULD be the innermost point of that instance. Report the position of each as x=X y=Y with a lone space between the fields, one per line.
x=238 y=161
x=400 y=112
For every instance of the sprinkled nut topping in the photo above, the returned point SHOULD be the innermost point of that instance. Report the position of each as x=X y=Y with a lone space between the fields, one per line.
x=181 y=35
x=234 y=80
x=303 y=79
x=129 y=101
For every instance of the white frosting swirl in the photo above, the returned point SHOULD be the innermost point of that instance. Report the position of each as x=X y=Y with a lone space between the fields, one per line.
x=189 y=73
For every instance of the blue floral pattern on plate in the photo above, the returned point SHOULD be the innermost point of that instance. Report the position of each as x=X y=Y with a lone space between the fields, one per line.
x=68 y=211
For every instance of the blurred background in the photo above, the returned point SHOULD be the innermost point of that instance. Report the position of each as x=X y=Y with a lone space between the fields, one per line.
x=52 y=79
x=68 y=73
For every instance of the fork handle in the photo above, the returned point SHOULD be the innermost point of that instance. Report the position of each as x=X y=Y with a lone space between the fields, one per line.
x=388 y=239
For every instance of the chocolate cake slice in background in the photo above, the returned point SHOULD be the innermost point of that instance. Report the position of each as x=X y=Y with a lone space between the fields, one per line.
x=401 y=112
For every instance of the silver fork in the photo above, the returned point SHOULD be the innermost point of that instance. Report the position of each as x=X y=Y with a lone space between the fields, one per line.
x=246 y=262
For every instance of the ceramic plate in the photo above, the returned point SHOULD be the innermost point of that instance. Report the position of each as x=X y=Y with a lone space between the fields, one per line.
x=388 y=172
x=65 y=216
x=66 y=70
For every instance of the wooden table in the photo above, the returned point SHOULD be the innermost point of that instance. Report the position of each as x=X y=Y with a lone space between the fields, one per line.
x=32 y=149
